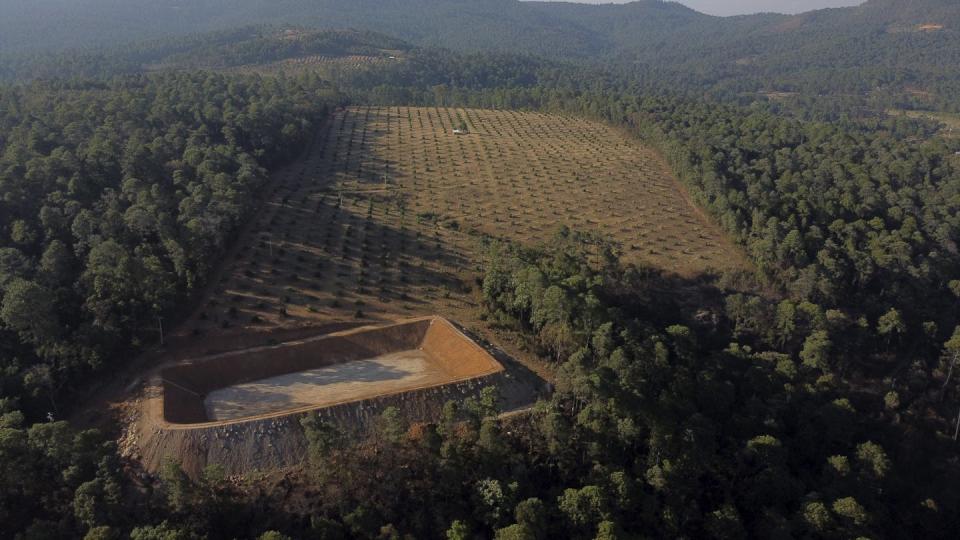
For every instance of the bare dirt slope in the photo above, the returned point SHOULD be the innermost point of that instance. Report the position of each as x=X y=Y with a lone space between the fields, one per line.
x=242 y=409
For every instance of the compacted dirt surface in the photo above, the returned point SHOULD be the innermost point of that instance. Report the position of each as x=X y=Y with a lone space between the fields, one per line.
x=338 y=383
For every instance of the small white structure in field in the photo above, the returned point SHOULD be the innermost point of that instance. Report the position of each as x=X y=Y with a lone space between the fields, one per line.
x=463 y=131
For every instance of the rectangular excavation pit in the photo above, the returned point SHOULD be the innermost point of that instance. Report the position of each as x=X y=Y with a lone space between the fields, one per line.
x=322 y=371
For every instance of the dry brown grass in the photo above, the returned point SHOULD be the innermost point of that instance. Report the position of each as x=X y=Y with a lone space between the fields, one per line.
x=386 y=211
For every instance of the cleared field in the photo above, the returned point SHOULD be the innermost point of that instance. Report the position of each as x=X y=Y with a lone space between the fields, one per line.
x=355 y=60
x=949 y=122
x=383 y=217
x=327 y=65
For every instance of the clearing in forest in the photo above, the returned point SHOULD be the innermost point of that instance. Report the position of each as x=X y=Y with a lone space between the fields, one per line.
x=331 y=66
x=384 y=216
x=950 y=123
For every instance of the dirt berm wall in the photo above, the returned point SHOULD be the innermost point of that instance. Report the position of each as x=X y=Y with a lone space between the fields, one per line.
x=173 y=422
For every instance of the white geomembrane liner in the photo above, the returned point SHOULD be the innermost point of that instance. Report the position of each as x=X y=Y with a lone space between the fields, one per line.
x=324 y=386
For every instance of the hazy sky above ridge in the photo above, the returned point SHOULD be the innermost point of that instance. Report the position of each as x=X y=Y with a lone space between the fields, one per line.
x=742 y=7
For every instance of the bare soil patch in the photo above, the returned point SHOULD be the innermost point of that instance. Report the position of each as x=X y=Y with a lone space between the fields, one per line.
x=327 y=65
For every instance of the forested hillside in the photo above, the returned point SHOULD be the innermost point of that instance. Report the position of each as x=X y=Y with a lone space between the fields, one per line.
x=860 y=214
x=117 y=198
x=845 y=348
x=651 y=27
x=210 y=51
x=894 y=52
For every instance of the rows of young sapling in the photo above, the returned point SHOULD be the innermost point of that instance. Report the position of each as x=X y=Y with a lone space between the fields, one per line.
x=317 y=252
x=352 y=59
x=521 y=175
x=382 y=216
x=328 y=66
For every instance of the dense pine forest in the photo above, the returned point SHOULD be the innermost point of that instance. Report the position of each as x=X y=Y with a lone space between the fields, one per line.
x=814 y=395
x=117 y=198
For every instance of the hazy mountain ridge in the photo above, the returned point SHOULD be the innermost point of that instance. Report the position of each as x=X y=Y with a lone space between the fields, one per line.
x=236 y=47
x=558 y=29
x=885 y=46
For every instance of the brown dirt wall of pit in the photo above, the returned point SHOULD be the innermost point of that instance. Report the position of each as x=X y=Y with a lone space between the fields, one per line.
x=276 y=440
x=185 y=385
x=205 y=375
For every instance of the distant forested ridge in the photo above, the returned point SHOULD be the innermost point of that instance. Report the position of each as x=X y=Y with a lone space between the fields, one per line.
x=901 y=51
x=208 y=51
